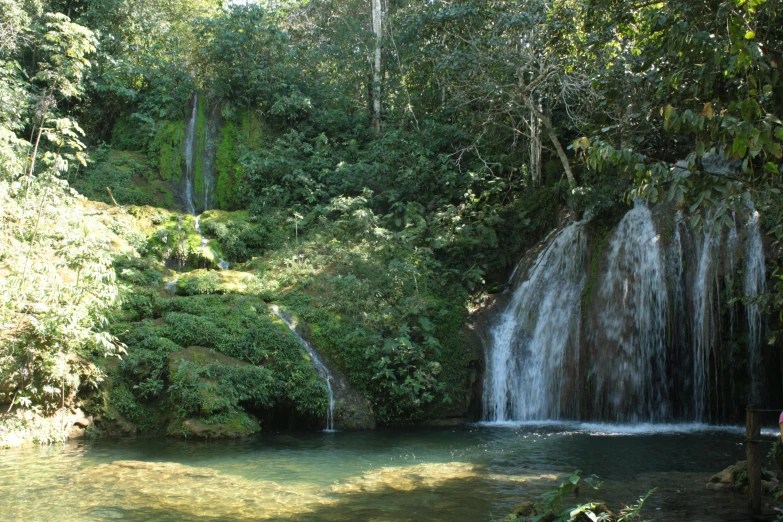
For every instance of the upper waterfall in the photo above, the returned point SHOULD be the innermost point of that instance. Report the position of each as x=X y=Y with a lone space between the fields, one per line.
x=199 y=147
x=187 y=194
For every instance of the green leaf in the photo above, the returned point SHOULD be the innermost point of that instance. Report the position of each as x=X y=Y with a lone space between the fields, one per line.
x=750 y=35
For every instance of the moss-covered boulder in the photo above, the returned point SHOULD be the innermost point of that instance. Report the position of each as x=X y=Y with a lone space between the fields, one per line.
x=215 y=282
x=206 y=390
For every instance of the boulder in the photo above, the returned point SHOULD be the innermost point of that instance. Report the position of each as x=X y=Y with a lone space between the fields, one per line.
x=240 y=425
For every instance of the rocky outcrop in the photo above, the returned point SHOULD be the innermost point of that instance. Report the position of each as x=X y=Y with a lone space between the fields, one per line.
x=735 y=478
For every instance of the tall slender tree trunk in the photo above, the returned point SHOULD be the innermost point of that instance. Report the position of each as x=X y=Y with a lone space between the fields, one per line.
x=535 y=149
x=377 y=15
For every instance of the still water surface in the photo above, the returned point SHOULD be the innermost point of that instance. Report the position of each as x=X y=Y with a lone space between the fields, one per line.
x=476 y=472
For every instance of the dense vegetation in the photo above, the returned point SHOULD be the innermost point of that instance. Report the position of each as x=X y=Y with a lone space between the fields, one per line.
x=380 y=229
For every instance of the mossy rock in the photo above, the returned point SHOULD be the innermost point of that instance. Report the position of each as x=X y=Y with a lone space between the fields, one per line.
x=210 y=411
x=201 y=356
x=224 y=216
x=173 y=238
x=214 y=282
x=238 y=425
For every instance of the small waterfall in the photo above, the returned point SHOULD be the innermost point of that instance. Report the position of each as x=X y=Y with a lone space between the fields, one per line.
x=188 y=194
x=536 y=335
x=320 y=367
x=222 y=263
x=171 y=286
x=754 y=285
x=629 y=374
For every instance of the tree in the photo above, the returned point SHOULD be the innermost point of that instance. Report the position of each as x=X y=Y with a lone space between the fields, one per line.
x=377 y=27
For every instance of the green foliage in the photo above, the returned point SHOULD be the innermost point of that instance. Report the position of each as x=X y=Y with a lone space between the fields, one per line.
x=122 y=172
x=138 y=271
x=168 y=149
x=58 y=289
x=386 y=317
x=136 y=412
x=214 y=389
x=228 y=183
x=202 y=283
x=553 y=505
x=267 y=368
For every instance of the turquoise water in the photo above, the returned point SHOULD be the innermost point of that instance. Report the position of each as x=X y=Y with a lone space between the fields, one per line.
x=468 y=473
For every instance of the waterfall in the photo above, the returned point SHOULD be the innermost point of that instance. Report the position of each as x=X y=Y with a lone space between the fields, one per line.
x=630 y=382
x=199 y=148
x=754 y=285
x=535 y=336
x=703 y=320
x=657 y=339
x=320 y=367
x=188 y=194
x=222 y=263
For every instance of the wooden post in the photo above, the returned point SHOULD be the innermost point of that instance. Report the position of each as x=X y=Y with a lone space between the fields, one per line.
x=752 y=439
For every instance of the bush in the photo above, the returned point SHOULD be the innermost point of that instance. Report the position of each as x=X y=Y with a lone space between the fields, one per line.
x=200 y=283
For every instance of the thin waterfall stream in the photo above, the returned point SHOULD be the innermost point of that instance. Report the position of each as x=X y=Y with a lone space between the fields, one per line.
x=188 y=194
x=222 y=263
x=754 y=286
x=320 y=367
x=191 y=155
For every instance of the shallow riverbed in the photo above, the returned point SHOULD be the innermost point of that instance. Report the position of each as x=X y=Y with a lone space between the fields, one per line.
x=476 y=472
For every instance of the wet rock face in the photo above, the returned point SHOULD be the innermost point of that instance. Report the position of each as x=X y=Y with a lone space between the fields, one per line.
x=352 y=411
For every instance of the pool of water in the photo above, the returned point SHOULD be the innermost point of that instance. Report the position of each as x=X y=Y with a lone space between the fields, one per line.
x=476 y=472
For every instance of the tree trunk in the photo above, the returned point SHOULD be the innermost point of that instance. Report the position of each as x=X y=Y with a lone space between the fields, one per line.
x=535 y=149
x=553 y=138
x=376 y=77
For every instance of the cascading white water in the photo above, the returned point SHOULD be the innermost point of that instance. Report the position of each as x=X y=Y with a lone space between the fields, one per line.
x=650 y=346
x=629 y=376
x=754 y=285
x=320 y=367
x=536 y=333
x=188 y=194
x=171 y=286
x=222 y=263
x=703 y=320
